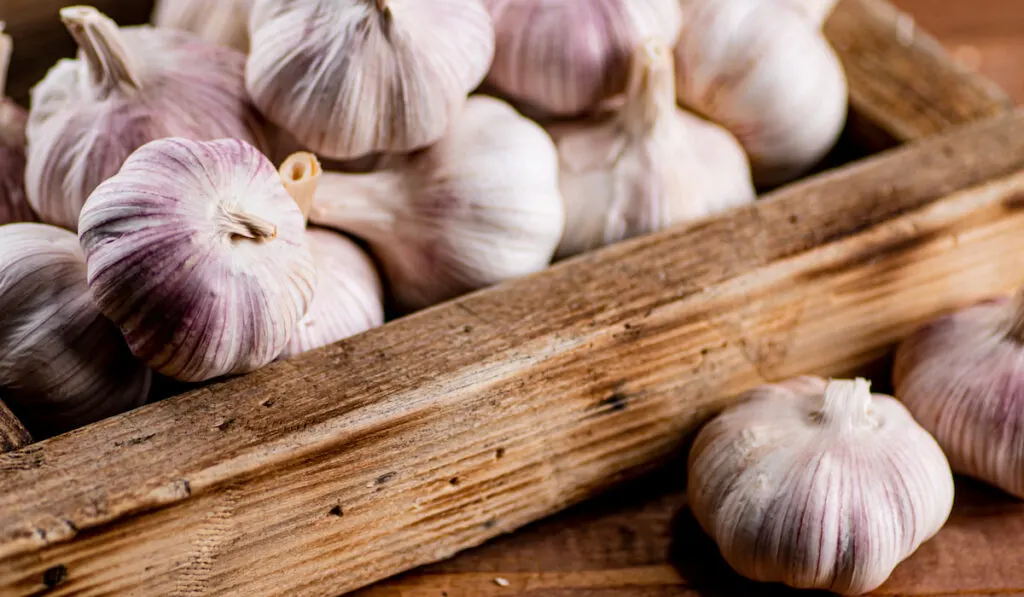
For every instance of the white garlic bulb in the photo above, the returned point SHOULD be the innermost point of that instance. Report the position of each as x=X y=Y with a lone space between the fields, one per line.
x=62 y=363
x=127 y=87
x=221 y=22
x=479 y=207
x=353 y=77
x=818 y=485
x=14 y=206
x=962 y=377
x=648 y=166
x=199 y=254
x=817 y=11
x=566 y=56
x=764 y=71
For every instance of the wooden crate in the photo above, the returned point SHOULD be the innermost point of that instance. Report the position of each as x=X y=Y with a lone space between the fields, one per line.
x=439 y=431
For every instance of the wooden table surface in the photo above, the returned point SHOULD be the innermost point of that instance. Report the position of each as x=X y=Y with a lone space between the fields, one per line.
x=641 y=541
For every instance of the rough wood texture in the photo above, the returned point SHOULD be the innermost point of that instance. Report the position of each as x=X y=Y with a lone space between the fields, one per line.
x=13 y=434
x=449 y=427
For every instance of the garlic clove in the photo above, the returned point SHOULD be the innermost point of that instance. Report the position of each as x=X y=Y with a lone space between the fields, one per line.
x=223 y=22
x=407 y=67
x=14 y=206
x=766 y=74
x=62 y=363
x=127 y=87
x=818 y=484
x=198 y=253
x=566 y=56
x=647 y=166
x=479 y=207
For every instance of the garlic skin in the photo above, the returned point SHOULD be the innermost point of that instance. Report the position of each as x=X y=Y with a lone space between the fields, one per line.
x=220 y=22
x=199 y=254
x=764 y=71
x=648 y=166
x=14 y=206
x=962 y=377
x=127 y=87
x=818 y=11
x=62 y=363
x=566 y=56
x=407 y=69
x=479 y=207
x=818 y=484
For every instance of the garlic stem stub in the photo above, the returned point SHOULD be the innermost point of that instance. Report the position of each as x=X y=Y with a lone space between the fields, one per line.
x=962 y=377
x=220 y=22
x=818 y=485
x=479 y=207
x=127 y=87
x=300 y=173
x=567 y=56
x=198 y=253
x=14 y=206
x=648 y=165
x=62 y=363
x=352 y=77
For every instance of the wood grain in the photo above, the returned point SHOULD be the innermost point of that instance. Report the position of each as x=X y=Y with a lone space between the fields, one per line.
x=441 y=430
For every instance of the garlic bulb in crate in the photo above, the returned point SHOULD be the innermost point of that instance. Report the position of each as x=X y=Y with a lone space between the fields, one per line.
x=221 y=22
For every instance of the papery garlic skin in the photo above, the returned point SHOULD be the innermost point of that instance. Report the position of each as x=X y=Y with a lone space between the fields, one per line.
x=962 y=377
x=62 y=363
x=566 y=56
x=479 y=207
x=14 y=206
x=765 y=72
x=199 y=254
x=127 y=87
x=818 y=11
x=648 y=166
x=818 y=484
x=405 y=69
x=221 y=22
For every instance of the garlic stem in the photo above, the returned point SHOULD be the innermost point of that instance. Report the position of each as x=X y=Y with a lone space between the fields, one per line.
x=1016 y=332
x=301 y=173
x=651 y=89
x=100 y=40
x=846 y=405
x=6 y=49
x=245 y=225
x=363 y=205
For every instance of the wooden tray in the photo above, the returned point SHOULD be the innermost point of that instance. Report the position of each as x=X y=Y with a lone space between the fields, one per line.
x=437 y=432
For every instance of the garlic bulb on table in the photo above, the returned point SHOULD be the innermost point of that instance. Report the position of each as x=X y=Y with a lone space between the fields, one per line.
x=566 y=56
x=818 y=484
x=221 y=22
x=127 y=87
x=62 y=363
x=962 y=377
x=764 y=71
x=479 y=207
x=198 y=253
x=14 y=206
x=648 y=166
x=353 y=77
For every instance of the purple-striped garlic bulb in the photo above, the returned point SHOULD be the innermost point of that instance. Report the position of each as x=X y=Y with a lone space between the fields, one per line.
x=962 y=377
x=479 y=207
x=353 y=77
x=564 y=57
x=647 y=165
x=62 y=363
x=221 y=22
x=818 y=485
x=127 y=87
x=14 y=206
x=199 y=254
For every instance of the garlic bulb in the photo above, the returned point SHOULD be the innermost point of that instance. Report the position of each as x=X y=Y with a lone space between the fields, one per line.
x=127 y=87
x=13 y=205
x=221 y=22
x=818 y=485
x=648 y=166
x=62 y=364
x=353 y=77
x=817 y=11
x=566 y=56
x=762 y=70
x=962 y=377
x=479 y=207
x=198 y=253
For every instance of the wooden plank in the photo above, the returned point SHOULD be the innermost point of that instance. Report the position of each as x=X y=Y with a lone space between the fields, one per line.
x=441 y=430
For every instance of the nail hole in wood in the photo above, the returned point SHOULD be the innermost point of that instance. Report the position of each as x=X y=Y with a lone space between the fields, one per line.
x=337 y=511
x=55 y=575
x=454 y=481
x=499 y=453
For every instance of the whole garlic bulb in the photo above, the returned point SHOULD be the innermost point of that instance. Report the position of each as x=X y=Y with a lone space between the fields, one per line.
x=818 y=484
x=62 y=363
x=353 y=77
x=566 y=56
x=221 y=22
x=648 y=166
x=127 y=87
x=199 y=254
x=962 y=377
x=13 y=205
x=764 y=71
x=817 y=11
x=480 y=206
